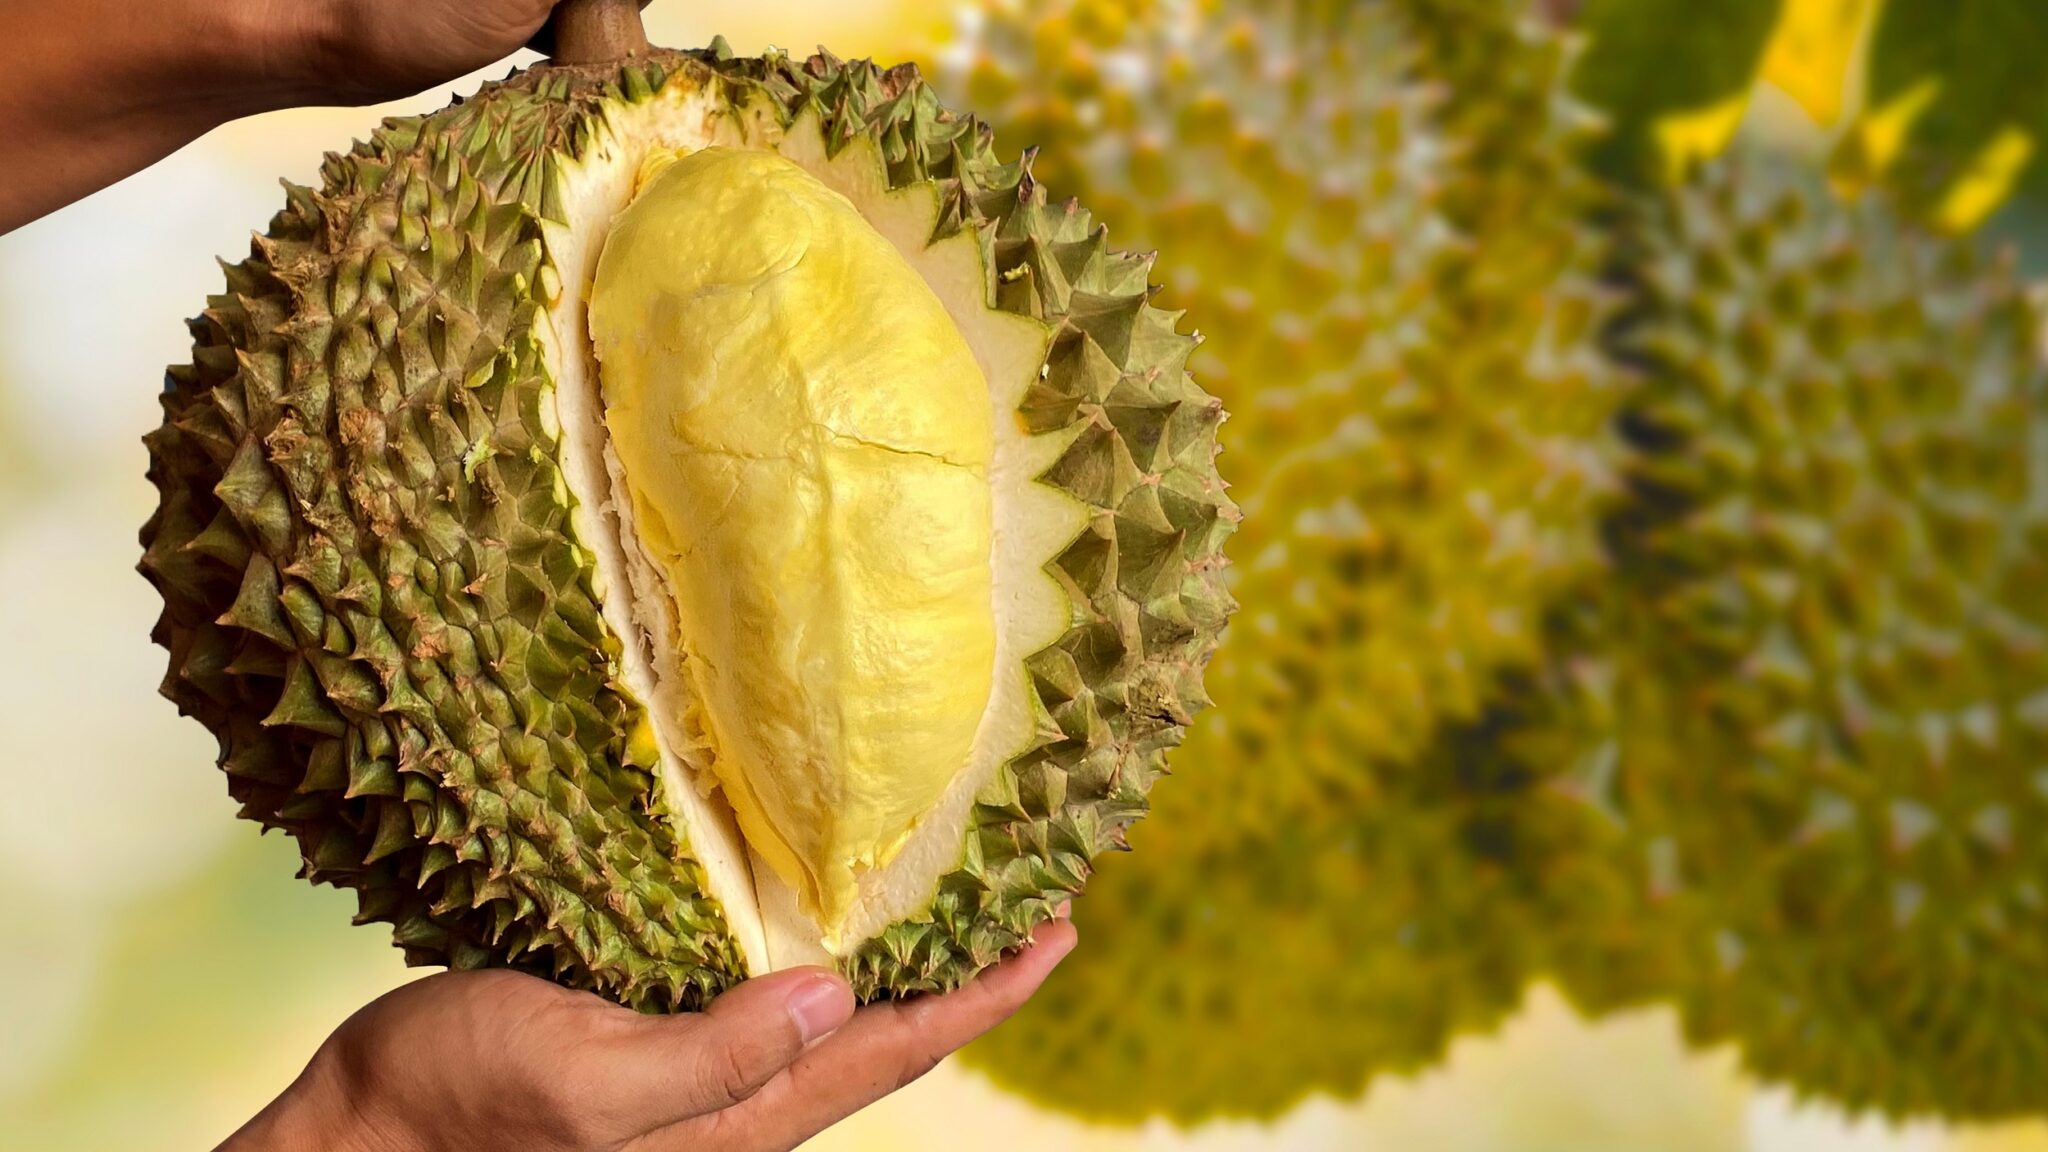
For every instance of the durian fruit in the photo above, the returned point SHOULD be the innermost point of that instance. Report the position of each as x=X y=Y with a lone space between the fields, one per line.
x=1832 y=699
x=1406 y=314
x=659 y=521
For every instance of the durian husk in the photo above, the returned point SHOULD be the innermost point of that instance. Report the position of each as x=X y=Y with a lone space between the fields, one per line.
x=377 y=597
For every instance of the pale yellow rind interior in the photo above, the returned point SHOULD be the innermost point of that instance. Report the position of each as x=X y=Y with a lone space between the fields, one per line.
x=1030 y=522
x=806 y=442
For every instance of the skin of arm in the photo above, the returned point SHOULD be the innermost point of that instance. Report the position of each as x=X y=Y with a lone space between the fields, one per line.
x=93 y=90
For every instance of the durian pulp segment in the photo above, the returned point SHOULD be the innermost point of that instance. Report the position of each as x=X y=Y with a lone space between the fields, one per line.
x=805 y=439
x=1029 y=523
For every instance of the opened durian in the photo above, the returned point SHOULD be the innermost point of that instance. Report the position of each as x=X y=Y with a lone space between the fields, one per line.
x=660 y=521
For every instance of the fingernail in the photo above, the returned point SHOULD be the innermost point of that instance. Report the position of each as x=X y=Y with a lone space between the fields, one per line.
x=820 y=1006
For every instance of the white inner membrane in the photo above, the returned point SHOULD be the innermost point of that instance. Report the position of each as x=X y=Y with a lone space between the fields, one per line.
x=1032 y=521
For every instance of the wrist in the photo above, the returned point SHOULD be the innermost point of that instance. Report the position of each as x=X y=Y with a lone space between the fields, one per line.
x=96 y=89
x=318 y=1113
x=235 y=60
x=92 y=64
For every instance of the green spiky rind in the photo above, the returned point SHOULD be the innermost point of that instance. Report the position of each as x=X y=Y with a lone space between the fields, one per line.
x=373 y=598
x=372 y=595
x=1834 y=703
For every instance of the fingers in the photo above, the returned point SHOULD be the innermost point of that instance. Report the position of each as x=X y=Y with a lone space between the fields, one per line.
x=890 y=1044
x=674 y=1067
x=883 y=1048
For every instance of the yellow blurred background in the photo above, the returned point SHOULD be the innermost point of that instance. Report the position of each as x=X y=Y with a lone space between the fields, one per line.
x=162 y=974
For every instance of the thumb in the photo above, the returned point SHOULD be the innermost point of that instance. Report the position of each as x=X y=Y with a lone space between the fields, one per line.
x=676 y=1067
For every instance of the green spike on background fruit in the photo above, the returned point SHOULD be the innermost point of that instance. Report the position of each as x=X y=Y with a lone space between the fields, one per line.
x=1832 y=639
x=439 y=563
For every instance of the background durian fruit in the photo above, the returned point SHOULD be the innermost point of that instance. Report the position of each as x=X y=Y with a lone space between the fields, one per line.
x=1833 y=638
x=1403 y=300
x=1770 y=747
x=423 y=579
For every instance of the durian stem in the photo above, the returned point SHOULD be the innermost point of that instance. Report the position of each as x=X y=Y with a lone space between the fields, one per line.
x=596 y=31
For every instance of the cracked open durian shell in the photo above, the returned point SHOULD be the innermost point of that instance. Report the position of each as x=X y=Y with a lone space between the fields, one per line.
x=381 y=596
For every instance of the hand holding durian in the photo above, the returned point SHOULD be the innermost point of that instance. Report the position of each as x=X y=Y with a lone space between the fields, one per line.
x=96 y=89
x=499 y=1060
x=701 y=530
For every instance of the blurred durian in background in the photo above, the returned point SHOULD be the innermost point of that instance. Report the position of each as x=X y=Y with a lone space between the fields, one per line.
x=1635 y=733
x=1641 y=575
x=1401 y=305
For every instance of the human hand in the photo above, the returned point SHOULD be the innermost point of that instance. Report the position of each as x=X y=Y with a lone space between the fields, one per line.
x=364 y=51
x=91 y=90
x=494 y=1060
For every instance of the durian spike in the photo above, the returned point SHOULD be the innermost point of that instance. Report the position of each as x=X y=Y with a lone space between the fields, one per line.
x=592 y=32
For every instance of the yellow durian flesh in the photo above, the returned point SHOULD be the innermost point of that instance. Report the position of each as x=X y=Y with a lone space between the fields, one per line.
x=806 y=439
